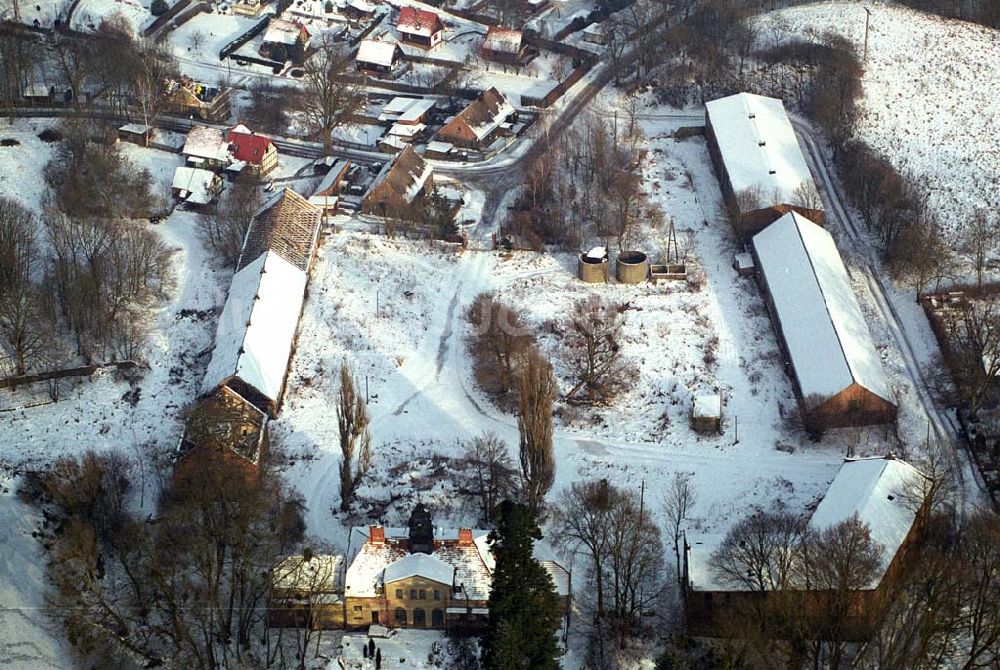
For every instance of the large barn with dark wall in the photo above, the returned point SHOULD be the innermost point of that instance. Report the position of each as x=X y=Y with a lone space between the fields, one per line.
x=761 y=169
x=829 y=353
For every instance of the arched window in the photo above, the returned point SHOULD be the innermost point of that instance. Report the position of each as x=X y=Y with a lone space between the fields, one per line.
x=419 y=617
x=400 y=616
x=437 y=618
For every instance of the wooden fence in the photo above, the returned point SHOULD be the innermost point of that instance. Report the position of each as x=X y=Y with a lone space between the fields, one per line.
x=84 y=371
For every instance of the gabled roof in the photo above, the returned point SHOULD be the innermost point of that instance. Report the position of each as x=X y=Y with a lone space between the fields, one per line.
x=378 y=52
x=337 y=170
x=758 y=146
x=485 y=113
x=503 y=40
x=419 y=565
x=280 y=31
x=406 y=174
x=224 y=420
x=416 y=21
x=880 y=492
x=247 y=145
x=286 y=224
x=826 y=334
x=256 y=331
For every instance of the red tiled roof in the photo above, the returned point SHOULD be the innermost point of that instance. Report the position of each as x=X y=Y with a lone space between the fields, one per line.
x=248 y=147
x=414 y=19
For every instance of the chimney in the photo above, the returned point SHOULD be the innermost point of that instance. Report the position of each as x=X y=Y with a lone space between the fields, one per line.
x=465 y=536
x=376 y=534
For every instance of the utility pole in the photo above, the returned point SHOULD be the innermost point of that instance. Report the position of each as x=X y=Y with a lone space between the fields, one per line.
x=868 y=19
x=736 y=429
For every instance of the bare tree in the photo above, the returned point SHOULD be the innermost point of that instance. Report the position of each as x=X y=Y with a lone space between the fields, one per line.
x=536 y=388
x=758 y=552
x=807 y=196
x=225 y=228
x=975 y=349
x=677 y=503
x=583 y=517
x=329 y=98
x=499 y=341
x=355 y=440
x=978 y=243
x=920 y=256
x=490 y=472
x=21 y=322
x=594 y=350
x=153 y=65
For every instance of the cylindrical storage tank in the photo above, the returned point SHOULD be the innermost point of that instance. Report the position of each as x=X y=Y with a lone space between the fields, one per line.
x=593 y=270
x=632 y=267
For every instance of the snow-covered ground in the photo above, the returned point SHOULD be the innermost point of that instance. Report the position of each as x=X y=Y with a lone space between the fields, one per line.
x=21 y=166
x=89 y=13
x=930 y=103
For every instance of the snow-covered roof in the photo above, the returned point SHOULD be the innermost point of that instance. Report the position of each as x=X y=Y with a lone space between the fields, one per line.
x=36 y=90
x=257 y=328
x=405 y=130
x=321 y=573
x=484 y=114
x=407 y=173
x=362 y=6
x=280 y=31
x=440 y=147
x=707 y=407
x=337 y=171
x=826 y=334
x=879 y=491
x=758 y=146
x=503 y=40
x=206 y=142
x=134 y=128
x=377 y=52
x=195 y=185
x=415 y=111
x=419 y=565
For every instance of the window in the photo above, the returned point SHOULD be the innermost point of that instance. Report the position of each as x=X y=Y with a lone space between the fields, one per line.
x=400 y=616
x=358 y=608
x=437 y=618
x=413 y=594
x=419 y=617
x=437 y=595
x=423 y=594
x=399 y=594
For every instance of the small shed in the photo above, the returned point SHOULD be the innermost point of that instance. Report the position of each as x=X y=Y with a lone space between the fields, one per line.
x=743 y=264
x=136 y=133
x=437 y=149
x=706 y=413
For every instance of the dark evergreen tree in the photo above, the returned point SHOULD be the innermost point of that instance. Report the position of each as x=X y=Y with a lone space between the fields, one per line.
x=524 y=607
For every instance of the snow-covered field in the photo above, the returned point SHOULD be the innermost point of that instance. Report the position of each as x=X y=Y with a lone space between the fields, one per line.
x=930 y=103
x=21 y=166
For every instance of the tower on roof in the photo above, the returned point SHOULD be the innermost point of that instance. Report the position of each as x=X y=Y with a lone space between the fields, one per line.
x=421 y=530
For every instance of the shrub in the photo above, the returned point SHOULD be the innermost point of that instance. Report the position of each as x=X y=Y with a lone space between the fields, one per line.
x=158 y=8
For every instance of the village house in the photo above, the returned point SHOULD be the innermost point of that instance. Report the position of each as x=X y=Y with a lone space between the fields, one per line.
x=829 y=354
x=248 y=7
x=307 y=591
x=222 y=429
x=378 y=56
x=478 y=125
x=760 y=165
x=256 y=334
x=284 y=40
x=425 y=576
x=596 y=33
x=327 y=193
x=251 y=152
x=359 y=10
x=419 y=27
x=195 y=186
x=886 y=494
x=399 y=186
x=407 y=111
x=187 y=97
x=206 y=147
x=504 y=45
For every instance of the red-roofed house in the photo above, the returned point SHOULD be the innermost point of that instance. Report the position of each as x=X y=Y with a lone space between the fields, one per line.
x=420 y=27
x=257 y=152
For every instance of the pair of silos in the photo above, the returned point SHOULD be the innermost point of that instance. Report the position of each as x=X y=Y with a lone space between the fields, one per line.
x=631 y=267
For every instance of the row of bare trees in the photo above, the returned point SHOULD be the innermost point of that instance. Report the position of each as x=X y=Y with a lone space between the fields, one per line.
x=190 y=588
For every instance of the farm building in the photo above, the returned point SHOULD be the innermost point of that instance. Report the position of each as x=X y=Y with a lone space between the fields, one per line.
x=307 y=591
x=401 y=183
x=187 y=97
x=761 y=169
x=486 y=118
x=222 y=428
x=503 y=45
x=886 y=494
x=327 y=192
x=419 y=27
x=251 y=152
x=378 y=56
x=829 y=353
x=195 y=186
x=256 y=333
x=425 y=576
